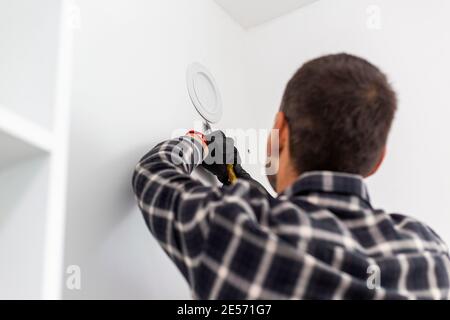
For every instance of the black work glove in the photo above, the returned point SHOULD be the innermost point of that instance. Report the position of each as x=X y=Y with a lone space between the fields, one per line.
x=222 y=152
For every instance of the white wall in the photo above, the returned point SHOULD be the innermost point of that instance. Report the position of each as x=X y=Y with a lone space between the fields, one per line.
x=129 y=93
x=22 y=223
x=28 y=52
x=413 y=48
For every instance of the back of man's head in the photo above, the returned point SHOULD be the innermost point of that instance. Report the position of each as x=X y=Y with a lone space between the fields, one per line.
x=339 y=109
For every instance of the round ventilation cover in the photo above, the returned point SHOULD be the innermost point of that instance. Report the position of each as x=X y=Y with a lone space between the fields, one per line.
x=204 y=93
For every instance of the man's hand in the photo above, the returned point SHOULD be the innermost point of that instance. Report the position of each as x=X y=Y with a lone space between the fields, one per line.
x=222 y=152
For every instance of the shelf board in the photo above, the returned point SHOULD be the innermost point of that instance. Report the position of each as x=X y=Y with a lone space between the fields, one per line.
x=21 y=138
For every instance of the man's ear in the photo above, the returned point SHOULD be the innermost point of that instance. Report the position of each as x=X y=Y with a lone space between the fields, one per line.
x=281 y=125
x=379 y=162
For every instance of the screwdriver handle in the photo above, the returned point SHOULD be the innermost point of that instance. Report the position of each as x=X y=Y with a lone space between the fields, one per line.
x=231 y=174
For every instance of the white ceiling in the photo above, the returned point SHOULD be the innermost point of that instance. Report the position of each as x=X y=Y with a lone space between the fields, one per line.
x=250 y=13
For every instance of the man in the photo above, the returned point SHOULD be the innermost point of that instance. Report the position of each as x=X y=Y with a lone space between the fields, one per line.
x=320 y=238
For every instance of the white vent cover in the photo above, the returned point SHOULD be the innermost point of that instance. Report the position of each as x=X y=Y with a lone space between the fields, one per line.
x=204 y=92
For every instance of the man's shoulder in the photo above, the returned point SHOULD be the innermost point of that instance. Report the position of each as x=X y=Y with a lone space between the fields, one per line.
x=413 y=225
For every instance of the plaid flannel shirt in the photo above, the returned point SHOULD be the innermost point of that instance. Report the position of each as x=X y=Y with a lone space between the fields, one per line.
x=320 y=239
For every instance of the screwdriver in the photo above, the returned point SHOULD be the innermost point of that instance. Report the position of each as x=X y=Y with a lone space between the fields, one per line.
x=230 y=167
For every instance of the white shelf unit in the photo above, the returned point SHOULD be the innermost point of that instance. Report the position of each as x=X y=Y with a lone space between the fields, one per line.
x=24 y=179
x=20 y=139
x=35 y=59
x=23 y=210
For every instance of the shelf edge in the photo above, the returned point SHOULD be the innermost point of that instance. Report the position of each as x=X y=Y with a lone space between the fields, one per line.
x=25 y=130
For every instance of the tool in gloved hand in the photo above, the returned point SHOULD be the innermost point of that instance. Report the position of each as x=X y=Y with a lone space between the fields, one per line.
x=223 y=159
x=205 y=96
x=222 y=167
x=225 y=149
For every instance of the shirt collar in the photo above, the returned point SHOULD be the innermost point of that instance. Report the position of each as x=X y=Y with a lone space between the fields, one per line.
x=329 y=182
